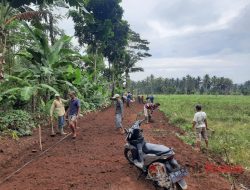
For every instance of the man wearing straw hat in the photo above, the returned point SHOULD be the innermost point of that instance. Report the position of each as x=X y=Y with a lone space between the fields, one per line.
x=118 y=112
x=57 y=107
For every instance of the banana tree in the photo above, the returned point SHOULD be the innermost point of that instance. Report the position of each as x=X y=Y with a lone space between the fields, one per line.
x=26 y=89
x=5 y=12
x=9 y=11
x=47 y=68
x=44 y=56
x=7 y=15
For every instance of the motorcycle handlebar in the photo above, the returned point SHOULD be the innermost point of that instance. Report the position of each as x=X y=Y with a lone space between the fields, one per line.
x=141 y=121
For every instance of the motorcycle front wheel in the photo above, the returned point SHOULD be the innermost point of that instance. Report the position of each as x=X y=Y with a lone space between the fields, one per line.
x=178 y=187
x=129 y=155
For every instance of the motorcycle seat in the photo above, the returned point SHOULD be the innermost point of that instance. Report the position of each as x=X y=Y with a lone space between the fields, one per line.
x=157 y=149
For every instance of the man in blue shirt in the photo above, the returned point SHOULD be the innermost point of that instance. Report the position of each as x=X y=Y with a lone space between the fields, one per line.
x=73 y=112
x=129 y=98
x=151 y=99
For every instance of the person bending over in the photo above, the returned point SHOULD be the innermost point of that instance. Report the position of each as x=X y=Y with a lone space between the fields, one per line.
x=149 y=109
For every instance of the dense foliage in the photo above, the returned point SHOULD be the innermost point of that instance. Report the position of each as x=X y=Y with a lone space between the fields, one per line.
x=18 y=121
x=38 y=60
x=107 y=33
x=190 y=85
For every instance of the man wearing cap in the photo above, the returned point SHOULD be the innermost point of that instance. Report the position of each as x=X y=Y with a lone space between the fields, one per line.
x=57 y=107
x=118 y=112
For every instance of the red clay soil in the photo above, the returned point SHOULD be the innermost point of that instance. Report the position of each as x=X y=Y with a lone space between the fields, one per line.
x=95 y=159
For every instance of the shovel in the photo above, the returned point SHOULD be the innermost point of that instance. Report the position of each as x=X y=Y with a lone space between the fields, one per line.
x=52 y=129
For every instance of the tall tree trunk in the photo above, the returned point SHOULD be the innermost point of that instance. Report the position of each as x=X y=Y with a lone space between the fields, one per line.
x=2 y=62
x=113 y=81
x=109 y=72
x=2 y=53
x=127 y=78
x=51 y=29
x=5 y=9
x=147 y=87
x=95 y=78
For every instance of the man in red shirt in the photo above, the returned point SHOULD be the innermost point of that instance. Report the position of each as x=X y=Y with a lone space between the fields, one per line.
x=149 y=109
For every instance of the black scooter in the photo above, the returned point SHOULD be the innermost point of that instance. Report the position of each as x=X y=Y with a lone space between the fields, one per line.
x=158 y=161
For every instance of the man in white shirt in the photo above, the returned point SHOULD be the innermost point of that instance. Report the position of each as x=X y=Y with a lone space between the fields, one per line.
x=200 y=126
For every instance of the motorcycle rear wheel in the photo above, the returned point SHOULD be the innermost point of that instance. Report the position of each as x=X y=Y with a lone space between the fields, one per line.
x=128 y=155
x=174 y=187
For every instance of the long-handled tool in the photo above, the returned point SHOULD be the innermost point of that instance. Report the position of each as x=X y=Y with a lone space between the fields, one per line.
x=40 y=134
x=40 y=137
x=52 y=129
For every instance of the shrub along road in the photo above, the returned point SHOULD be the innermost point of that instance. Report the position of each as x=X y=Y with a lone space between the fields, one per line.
x=95 y=159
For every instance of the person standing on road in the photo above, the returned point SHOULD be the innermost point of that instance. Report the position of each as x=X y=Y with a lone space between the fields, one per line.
x=119 y=112
x=58 y=107
x=200 y=126
x=151 y=98
x=142 y=99
x=129 y=99
x=139 y=99
x=124 y=98
x=73 y=112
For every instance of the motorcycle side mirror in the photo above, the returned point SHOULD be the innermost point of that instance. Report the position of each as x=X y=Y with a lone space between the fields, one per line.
x=141 y=122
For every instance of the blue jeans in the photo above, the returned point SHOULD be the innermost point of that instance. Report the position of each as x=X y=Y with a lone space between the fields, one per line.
x=60 y=122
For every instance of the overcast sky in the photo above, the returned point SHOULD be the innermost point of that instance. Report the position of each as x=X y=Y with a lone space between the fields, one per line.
x=191 y=37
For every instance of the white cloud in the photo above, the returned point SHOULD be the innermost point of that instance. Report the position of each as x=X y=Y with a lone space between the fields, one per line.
x=170 y=18
x=234 y=66
x=190 y=36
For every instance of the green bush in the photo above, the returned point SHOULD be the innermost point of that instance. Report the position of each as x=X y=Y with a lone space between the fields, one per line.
x=18 y=121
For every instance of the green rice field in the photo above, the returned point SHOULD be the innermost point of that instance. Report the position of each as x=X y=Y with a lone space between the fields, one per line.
x=228 y=117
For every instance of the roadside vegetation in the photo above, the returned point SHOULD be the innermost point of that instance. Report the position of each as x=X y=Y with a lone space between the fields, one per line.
x=228 y=120
x=38 y=60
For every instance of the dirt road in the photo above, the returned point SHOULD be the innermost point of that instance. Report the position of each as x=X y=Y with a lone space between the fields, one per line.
x=95 y=161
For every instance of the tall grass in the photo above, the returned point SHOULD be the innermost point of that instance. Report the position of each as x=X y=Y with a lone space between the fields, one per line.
x=228 y=116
